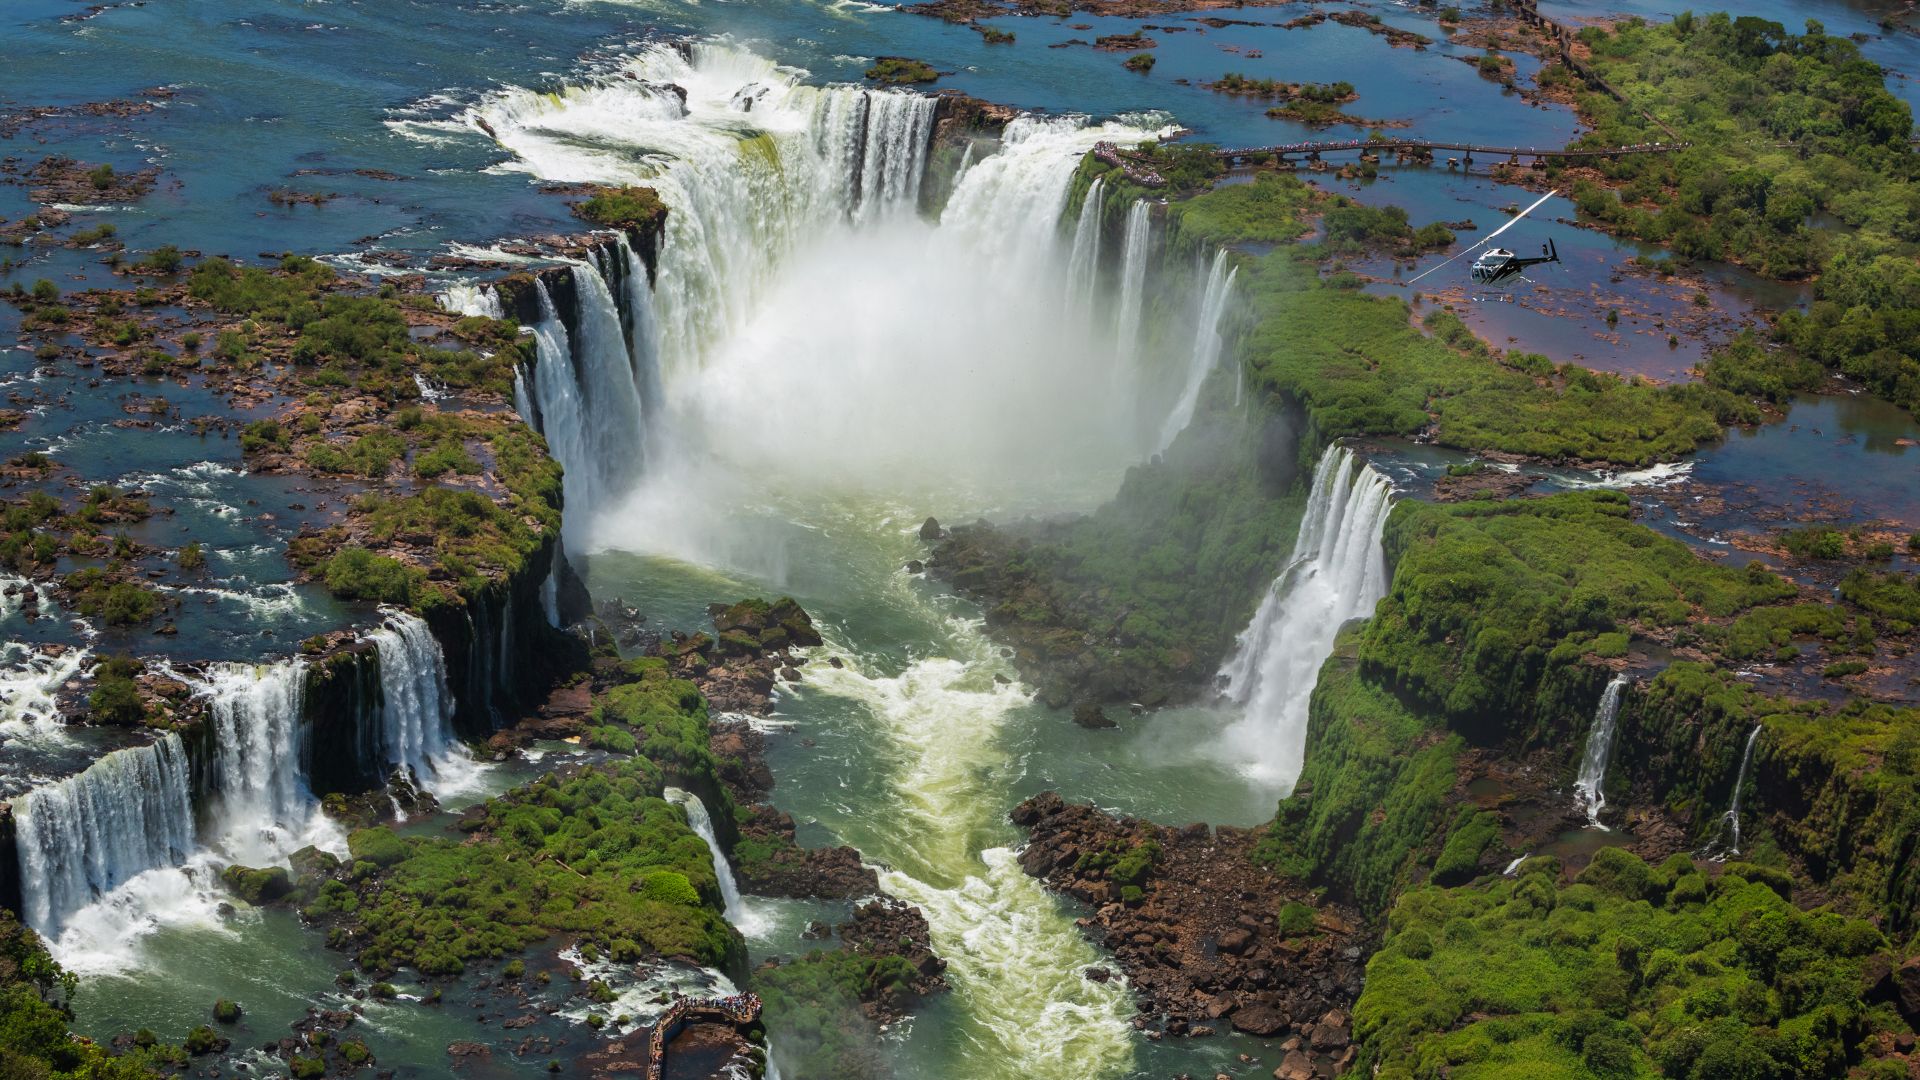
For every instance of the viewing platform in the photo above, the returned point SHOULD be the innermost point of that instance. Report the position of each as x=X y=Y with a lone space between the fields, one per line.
x=738 y=1010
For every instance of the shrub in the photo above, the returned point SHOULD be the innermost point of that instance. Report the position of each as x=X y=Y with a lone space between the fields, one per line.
x=358 y=574
x=1296 y=919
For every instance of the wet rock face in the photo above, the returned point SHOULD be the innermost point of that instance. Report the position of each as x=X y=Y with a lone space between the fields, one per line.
x=789 y=870
x=1207 y=938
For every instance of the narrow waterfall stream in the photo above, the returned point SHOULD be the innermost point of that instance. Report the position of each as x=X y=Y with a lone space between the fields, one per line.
x=1589 y=790
x=1206 y=348
x=1337 y=573
x=1730 y=821
x=416 y=712
x=738 y=913
x=263 y=808
x=1133 y=277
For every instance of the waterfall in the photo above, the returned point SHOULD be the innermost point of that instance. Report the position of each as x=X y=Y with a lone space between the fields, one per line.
x=1337 y=573
x=1206 y=347
x=643 y=336
x=1730 y=821
x=584 y=394
x=1083 y=265
x=741 y=194
x=1133 y=278
x=416 y=710
x=262 y=808
x=469 y=298
x=1588 y=793
x=81 y=838
x=697 y=819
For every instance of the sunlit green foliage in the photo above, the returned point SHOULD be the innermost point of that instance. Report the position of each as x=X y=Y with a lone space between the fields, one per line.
x=1800 y=165
x=1359 y=366
x=34 y=1019
x=598 y=855
x=813 y=1010
x=1631 y=971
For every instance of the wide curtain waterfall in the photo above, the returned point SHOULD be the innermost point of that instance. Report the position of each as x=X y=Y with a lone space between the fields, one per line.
x=1337 y=573
x=83 y=837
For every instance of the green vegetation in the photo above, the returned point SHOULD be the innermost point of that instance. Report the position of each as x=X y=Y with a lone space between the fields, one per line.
x=1270 y=210
x=900 y=71
x=1139 y=62
x=115 y=698
x=340 y=338
x=629 y=208
x=1800 y=165
x=117 y=603
x=1359 y=366
x=35 y=1043
x=1891 y=594
x=1630 y=971
x=598 y=856
x=1140 y=601
x=813 y=1006
x=1487 y=636
x=358 y=574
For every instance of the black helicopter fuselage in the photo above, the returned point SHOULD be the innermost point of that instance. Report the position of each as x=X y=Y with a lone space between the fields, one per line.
x=1500 y=265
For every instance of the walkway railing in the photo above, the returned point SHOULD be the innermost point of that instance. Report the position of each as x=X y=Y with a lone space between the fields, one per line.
x=740 y=1009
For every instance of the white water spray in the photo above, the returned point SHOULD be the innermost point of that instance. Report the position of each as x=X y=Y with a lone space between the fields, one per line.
x=89 y=834
x=1133 y=278
x=1337 y=573
x=30 y=683
x=262 y=808
x=1588 y=790
x=416 y=710
x=1083 y=265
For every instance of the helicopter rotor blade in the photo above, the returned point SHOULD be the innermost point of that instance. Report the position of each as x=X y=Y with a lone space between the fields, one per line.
x=1485 y=240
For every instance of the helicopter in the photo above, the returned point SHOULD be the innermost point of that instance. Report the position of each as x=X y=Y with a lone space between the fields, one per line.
x=1500 y=265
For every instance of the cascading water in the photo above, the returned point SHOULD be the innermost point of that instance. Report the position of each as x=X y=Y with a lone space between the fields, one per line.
x=584 y=393
x=89 y=834
x=1133 y=278
x=416 y=709
x=823 y=356
x=471 y=298
x=30 y=681
x=1083 y=266
x=1588 y=790
x=698 y=820
x=262 y=808
x=1730 y=821
x=1337 y=573
x=1206 y=348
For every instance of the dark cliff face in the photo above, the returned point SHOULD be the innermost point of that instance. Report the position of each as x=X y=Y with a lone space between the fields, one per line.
x=10 y=897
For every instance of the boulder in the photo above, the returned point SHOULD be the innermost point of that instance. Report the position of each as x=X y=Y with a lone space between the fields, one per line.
x=1260 y=1019
x=1295 y=1066
x=1906 y=981
x=930 y=530
x=1235 y=940
x=1092 y=717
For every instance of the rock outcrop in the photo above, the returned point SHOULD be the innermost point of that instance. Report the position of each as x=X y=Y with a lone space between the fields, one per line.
x=1207 y=938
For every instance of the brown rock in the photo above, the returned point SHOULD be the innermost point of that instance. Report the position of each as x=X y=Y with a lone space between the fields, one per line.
x=1906 y=980
x=1235 y=940
x=1259 y=1019
x=1295 y=1066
